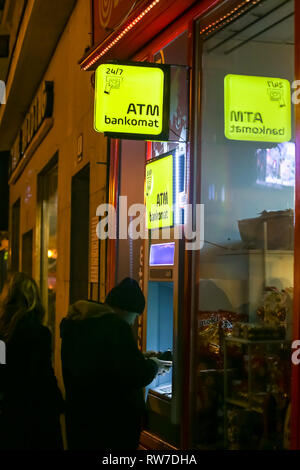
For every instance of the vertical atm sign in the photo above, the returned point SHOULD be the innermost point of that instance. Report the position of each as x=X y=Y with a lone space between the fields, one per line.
x=159 y=192
x=132 y=101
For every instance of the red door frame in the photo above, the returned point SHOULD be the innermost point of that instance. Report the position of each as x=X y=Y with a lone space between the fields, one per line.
x=113 y=195
x=295 y=391
x=187 y=21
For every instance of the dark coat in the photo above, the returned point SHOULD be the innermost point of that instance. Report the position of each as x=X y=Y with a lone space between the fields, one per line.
x=31 y=400
x=104 y=373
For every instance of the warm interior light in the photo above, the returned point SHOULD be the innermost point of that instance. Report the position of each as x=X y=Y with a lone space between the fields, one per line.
x=52 y=254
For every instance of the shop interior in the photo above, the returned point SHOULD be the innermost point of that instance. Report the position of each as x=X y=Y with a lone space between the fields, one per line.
x=246 y=264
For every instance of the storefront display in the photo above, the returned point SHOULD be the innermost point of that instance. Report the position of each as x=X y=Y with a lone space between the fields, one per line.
x=224 y=311
x=248 y=259
x=256 y=392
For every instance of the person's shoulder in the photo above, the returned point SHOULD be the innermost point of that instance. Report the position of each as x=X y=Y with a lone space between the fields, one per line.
x=113 y=319
x=30 y=330
x=115 y=322
x=40 y=331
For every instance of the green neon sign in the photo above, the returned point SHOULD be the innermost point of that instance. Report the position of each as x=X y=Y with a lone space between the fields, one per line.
x=257 y=108
x=159 y=193
x=131 y=101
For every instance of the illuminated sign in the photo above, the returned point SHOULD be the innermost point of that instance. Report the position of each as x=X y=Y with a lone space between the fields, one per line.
x=159 y=192
x=131 y=101
x=257 y=108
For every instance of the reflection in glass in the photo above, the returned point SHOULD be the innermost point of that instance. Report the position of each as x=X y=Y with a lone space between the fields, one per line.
x=49 y=245
x=246 y=266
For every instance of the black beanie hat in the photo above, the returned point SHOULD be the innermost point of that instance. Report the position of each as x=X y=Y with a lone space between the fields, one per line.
x=127 y=296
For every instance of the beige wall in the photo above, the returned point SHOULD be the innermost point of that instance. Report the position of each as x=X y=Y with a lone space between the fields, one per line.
x=73 y=115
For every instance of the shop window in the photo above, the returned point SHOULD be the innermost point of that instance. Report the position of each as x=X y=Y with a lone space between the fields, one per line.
x=15 y=236
x=3 y=258
x=4 y=191
x=27 y=252
x=4 y=45
x=175 y=53
x=48 y=180
x=132 y=167
x=245 y=269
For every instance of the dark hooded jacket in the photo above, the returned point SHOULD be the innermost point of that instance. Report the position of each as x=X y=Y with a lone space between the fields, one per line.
x=104 y=373
x=30 y=400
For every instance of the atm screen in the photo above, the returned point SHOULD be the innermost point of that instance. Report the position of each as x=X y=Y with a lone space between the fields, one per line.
x=160 y=329
x=162 y=254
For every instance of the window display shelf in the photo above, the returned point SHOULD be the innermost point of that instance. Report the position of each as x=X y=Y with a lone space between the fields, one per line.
x=258 y=380
x=244 y=404
x=255 y=341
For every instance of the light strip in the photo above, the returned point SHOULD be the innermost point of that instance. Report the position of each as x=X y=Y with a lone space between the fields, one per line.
x=229 y=17
x=123 y=33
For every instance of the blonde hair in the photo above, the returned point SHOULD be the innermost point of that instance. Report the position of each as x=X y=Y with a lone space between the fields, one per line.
x=19 y=297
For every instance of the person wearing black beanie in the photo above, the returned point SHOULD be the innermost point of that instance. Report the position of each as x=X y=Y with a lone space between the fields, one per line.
x=104 y=372
x=127 y=296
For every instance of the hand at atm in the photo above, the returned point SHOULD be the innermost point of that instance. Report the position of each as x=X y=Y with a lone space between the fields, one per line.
x=150 y=354
x=162 y=368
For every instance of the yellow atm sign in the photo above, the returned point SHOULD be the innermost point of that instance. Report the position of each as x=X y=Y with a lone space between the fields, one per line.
x=257 y=108
x=159 y=192
x=131 y=101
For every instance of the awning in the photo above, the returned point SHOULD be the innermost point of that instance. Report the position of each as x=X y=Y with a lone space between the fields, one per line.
x=148 y=19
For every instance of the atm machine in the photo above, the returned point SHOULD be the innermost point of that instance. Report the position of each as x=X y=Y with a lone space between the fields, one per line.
x=162 y=333
x=163 y=289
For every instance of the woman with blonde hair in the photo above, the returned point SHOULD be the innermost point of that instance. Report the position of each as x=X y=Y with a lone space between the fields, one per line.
x=30 y=400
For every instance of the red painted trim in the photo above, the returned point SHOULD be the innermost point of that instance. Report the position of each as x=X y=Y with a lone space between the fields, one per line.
x=295 y=390
x=188 y=328
x=180 y=25
x=113 y=199
x=160 y=17
x=87 y=60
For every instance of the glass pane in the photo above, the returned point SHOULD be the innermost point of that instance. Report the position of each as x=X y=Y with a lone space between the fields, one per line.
x=49 y=245
x=132 y=162
x=246 y=265
x=27 y=247
x=163 y=399
x=15 y=236
x=175 y=53
x=3 y=258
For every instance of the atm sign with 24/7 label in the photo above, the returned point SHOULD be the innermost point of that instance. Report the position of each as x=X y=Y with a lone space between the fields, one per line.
x=131 y=101
x=159 y=192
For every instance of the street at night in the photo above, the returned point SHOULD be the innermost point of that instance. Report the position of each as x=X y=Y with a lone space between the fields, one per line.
x=149 y=229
